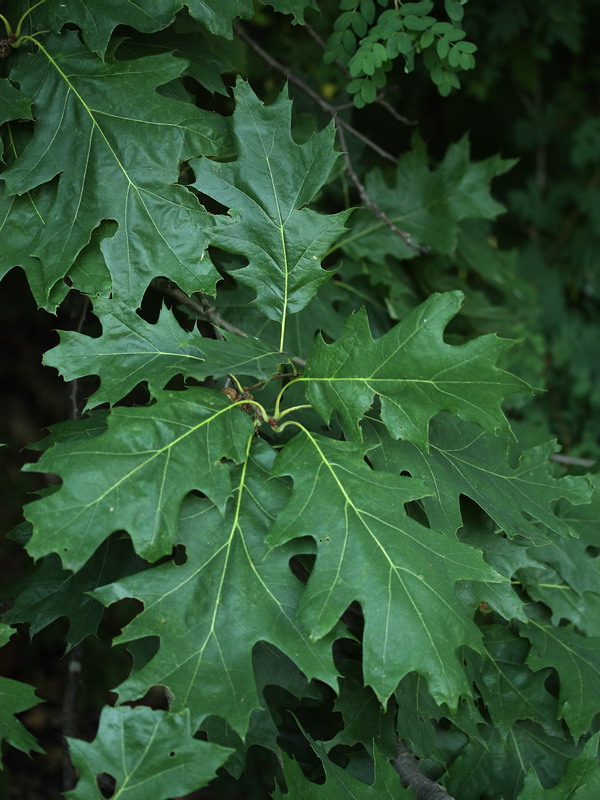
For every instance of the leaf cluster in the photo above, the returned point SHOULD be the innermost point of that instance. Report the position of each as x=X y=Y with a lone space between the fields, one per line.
x=303 y=467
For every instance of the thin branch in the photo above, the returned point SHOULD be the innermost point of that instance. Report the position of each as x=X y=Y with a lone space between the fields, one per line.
x=342 y=126
x=410 y=775
x=331 y=110
x=68 y=713
x=203 y=308
x=370 y=204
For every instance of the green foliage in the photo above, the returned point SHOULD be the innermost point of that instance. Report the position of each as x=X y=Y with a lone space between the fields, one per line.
x=312 y=495
x=140 y=748
x=368 y=44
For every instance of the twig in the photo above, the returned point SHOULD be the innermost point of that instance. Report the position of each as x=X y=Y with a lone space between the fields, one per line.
x=410 y=775
x=68 y=717
x=331 y=110
x=203 y=308
x=372 y=206
x=560 y=458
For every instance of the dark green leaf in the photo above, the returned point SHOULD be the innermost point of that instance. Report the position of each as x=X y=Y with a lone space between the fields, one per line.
x=122 y=165
x=580 y=781
x=370 y=551
x=131 y=350
x=229 y=594
x=414 y=372
x=15 y=697
x=577 y=661
x=341 y=784
x=265 y=190
x=464 y=460
x=51 y=592
x=134 y=476
x=427 y=204
x=146 y=752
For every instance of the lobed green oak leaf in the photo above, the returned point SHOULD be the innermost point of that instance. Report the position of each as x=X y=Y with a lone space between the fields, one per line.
x=148 y=17
x=418 y=718
x=340 y=783
x=413 y=372
x=125 y=146
x=148 y=752
x=228 y=595
x=134 y=476
x=580 y=780
x=50 y=592
x=496 y=767
x=464 y=460
x=576 y=659
x=426 y=204
x=155 y=15
x=266 y=189
x=14 y=698
x=509 y=688
x=131 y=350
x=370 y=551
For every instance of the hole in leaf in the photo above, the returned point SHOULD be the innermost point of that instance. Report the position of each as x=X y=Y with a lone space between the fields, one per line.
x=106 y=784
x=180 y=555
x=172 y=754
x=592 y=551
x=301 y=566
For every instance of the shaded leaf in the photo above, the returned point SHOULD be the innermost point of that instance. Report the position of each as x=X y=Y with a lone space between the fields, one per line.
x=134 y=476
x=427 y=204
x=414 y=372
x=151 y=16
x=418 y=715
x=146 y=752
x=340 y=783
x=51 y=592
x=265 y=190
x=577 y=662
x=370 y=551
x=15 y=697
x=464 y=460
x=510 y=690
x=580 y=781
x=365 y=721
x=497 y=767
